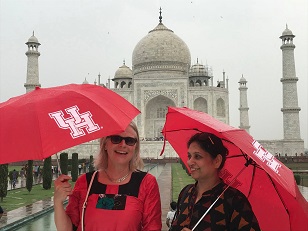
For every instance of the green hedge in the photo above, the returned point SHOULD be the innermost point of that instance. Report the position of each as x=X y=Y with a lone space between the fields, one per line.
x=74 y=171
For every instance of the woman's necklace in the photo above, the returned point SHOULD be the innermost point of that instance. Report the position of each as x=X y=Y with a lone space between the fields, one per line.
x=116 y=180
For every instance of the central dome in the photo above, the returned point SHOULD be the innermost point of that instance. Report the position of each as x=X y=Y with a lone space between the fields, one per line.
x=159 y=50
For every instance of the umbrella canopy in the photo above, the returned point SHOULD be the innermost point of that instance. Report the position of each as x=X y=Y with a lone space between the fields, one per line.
x=267 y=183
x=45 y=121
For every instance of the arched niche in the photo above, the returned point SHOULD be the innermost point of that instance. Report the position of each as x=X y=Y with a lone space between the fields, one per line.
x=220 y=106
x=155 y=116
x=200 y=104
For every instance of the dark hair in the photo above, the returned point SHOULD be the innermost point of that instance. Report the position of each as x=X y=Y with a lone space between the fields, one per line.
x=211 y=144
x=173 y=205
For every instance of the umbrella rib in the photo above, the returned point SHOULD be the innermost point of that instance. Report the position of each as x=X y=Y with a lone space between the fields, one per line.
x=274 y=185
x=252 y=180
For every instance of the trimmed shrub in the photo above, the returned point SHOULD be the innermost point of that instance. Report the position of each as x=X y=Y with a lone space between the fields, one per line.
x=29 y=179
x=64 y=163
x=91 y=164
x=297 y=179
x=47 y=173
x=3 y=180
x=74 y=171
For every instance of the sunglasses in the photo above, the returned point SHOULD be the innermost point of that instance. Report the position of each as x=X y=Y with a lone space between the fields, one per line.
x=130 y=141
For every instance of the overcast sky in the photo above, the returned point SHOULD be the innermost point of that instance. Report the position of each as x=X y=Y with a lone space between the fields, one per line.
x=80 y=39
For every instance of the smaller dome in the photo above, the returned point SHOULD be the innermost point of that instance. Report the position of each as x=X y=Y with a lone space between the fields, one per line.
x=198 y=68
x=123 y=72
x=243 y=80
x=33 y=39
x=287 y=32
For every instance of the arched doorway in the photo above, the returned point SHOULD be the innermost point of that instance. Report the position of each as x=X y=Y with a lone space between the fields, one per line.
x=155 y=115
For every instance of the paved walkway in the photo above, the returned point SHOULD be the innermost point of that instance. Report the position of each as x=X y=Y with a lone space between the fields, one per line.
x=165 y=187
x=17 y=217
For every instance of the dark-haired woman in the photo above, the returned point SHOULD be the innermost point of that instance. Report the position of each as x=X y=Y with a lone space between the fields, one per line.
x=232 y=210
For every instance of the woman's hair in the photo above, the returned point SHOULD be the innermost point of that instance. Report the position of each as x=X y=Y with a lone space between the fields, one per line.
x=211 y=144
x=101 y=161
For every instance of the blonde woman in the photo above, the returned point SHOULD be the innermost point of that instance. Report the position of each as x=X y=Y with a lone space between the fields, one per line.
x=118 y=196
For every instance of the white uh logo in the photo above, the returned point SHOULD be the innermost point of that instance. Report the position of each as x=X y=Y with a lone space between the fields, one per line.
x=75 y=122
x=265 y=156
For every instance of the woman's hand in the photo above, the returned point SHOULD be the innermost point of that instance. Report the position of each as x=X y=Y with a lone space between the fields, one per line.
x=186 y=229
x=62 y=188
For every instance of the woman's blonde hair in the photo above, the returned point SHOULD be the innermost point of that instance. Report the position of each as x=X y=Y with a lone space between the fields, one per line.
x=101 y=161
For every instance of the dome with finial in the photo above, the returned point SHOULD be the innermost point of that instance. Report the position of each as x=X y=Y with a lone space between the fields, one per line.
x=287 y=32
x=33 y=39
x=161 y=49
x=243 y=80
x=198 y=70
x=123 y=72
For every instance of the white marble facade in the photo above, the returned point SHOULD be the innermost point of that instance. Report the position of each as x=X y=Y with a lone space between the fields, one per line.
x=162 y=75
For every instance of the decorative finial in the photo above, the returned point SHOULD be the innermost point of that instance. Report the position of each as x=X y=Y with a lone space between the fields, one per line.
x=197 y=60
x=160 y=17
x=286 y=26
x=123 y=61
x=33 y=33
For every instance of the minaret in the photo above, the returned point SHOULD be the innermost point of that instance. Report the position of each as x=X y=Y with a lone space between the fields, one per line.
x=290 y=110
x=32 y=66
x=244 y=118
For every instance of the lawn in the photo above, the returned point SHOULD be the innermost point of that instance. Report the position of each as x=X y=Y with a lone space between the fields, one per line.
x=17 y=168
x=179 y=180
x=21 y=197
x=299 y=166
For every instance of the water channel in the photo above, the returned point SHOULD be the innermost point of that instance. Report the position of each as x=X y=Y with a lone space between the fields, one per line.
x=46 y=222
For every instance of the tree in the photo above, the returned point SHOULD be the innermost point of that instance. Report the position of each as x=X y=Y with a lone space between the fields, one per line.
x=74 y=172
x=4 y=171
x=47 y=173
x=64 y=163
x=91 y=166
x=29 y=180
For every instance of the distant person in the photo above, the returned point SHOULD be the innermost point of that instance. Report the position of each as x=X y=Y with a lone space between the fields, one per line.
x=14 y=178
x=26 y=170
x=36 y=171
x=22 y=172
x=171 y=213
x=79 y=169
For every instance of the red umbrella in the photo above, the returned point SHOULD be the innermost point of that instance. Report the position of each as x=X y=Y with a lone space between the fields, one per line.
x=268 y=184
x=45 y=121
